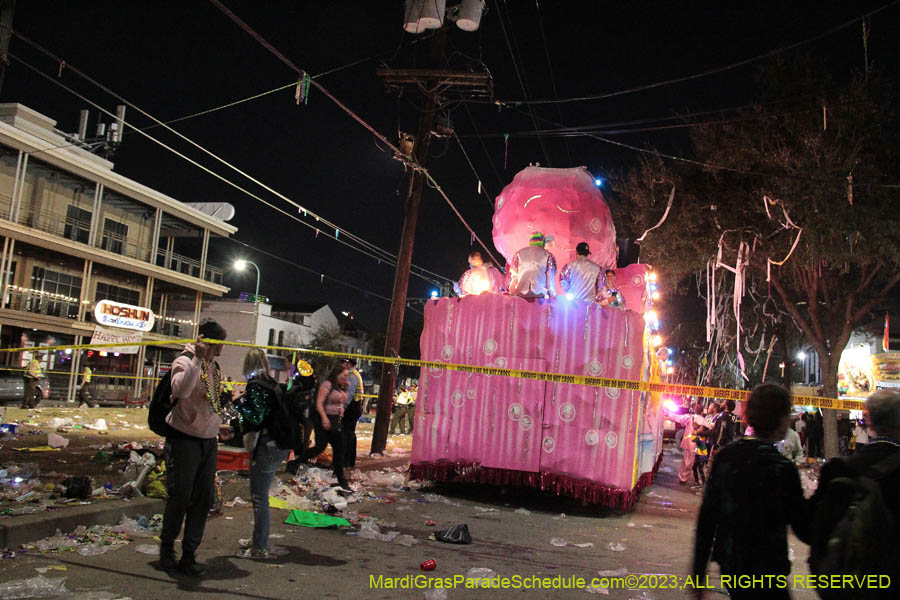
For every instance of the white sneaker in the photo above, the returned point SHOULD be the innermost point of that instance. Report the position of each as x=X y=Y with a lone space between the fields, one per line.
x=252 y=553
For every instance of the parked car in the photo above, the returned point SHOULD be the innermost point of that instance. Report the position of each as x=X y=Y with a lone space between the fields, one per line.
x=12 y=386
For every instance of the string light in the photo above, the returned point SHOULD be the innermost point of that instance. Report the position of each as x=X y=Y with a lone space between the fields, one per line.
x=657 y=341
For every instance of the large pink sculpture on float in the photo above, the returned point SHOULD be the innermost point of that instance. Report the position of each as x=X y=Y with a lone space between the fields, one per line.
x=600 y=445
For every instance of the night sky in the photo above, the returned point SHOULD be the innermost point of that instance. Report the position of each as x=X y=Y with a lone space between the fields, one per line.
x=177 y=58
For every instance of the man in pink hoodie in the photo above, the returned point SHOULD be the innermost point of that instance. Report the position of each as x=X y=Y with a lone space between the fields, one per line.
x=191 y=449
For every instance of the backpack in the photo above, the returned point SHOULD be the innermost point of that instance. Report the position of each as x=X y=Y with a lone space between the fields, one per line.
x=163 y=403
x=864 y=537
x=288 y=410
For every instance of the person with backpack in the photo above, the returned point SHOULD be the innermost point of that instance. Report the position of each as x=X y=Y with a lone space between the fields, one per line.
x=856 y=506
x=752 y=495
x=329 y=410
x=193 y=419
x=258 y=408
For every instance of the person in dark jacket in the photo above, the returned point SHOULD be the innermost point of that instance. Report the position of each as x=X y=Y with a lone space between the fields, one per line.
x=752 y=495
x=882 y=412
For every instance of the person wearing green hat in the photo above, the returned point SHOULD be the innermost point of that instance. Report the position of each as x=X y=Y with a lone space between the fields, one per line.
x=532 y=272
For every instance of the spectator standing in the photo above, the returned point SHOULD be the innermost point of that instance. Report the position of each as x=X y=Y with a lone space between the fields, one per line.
x=751 y=497
x=879 y=461
x=256 y=408
x=330 y=401
x=84 y=393
x=31 y=377
x=191 y=451
x=352 y=411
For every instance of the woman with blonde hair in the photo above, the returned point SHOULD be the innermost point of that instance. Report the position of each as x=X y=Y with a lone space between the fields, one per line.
x=254 y=409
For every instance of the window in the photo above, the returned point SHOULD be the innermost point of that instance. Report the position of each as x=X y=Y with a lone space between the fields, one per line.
x=115 y=235
x=281 y=338
x=78 y=224
x=107 y=291
x=61 y=293
x=271 y=338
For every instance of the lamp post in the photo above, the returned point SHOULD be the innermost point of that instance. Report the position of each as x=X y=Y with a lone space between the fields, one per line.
x=240 y=265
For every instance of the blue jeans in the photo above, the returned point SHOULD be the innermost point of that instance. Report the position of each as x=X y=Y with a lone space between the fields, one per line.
x=262 y=469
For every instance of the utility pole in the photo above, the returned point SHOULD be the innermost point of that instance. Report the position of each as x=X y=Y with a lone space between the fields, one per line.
x=7 y=10
x=435 y=83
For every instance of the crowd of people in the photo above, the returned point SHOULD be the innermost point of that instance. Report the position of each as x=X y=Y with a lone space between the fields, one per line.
x=532 y=274
x=269 y=428
x=754 y=494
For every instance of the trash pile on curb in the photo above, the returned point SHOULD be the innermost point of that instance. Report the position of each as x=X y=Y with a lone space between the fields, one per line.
x=98 y=539
x=51 y=587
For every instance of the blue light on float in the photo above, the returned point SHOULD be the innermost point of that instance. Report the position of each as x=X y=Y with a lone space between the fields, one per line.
x=671 y=351
x=570 y=296
x=598 y=182
x=434 y=293
x=670 y=362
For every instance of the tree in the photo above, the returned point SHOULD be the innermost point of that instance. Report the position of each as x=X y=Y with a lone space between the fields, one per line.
x=326 y=338
x=795 y=196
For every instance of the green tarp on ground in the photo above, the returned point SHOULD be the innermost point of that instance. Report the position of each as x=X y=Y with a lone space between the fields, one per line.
x=311 y=519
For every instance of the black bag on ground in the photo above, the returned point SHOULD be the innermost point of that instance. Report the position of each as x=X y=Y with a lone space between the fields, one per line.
x=162 y=403
x=863 y=538
x=458 y=534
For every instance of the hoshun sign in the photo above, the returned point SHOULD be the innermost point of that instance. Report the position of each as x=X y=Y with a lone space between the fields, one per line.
x=114 y=314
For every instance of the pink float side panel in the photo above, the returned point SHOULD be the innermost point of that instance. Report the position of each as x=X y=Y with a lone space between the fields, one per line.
x=524 y=425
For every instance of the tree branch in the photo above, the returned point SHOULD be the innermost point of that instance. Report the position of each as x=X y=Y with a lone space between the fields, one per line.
x=875 y=300
x=791 y=307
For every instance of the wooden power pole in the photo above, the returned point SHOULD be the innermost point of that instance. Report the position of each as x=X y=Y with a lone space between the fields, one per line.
x=434 y=83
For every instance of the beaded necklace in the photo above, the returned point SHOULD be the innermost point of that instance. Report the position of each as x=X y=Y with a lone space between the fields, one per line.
x=212 y=387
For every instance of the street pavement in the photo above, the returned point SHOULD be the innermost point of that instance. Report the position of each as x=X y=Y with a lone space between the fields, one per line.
x=655 y=539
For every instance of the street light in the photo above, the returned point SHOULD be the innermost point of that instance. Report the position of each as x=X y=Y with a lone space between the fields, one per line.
x=240 y=265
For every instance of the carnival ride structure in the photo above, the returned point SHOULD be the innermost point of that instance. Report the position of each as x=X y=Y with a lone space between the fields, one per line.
x=600 y=445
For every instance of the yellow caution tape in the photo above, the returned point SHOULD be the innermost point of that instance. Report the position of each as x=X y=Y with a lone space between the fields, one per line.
x=624 y=384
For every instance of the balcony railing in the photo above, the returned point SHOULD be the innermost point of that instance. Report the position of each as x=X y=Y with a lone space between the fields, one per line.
x=78 y=230
x=188 y=266
x=54 y=305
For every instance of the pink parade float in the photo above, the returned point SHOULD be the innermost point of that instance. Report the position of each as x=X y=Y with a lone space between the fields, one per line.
x=599 y=445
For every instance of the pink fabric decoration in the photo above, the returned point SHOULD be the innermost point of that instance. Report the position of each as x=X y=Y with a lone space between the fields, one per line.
x=563 y=203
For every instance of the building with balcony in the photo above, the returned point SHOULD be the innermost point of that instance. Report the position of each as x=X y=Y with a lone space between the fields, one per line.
x=76 y=234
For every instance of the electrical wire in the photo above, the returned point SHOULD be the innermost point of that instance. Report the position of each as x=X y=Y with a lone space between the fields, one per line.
x=484 y=146
x=550 y=70
x=372 y=248
x=481 y=186
x=205 y=169
x=379 y=253
x=699 y=75
x=397 y=153
x=322 y=276
x=512 y=55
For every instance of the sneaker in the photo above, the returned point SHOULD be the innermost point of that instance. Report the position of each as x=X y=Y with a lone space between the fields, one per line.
x=167 y=561
x=189 y=566
x=252 y=553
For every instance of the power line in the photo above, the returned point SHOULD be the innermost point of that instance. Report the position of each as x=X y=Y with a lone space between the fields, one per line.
x=699 y=75
x=537 y=6
x=383 y=254
x=206 y=169
x=380 y=254
x=483 y=146
x=397 y=153
x=481 y=187
x=322 y=276
x=512 y=55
